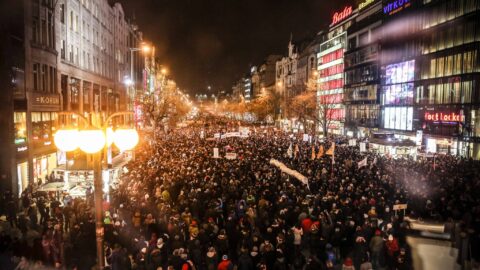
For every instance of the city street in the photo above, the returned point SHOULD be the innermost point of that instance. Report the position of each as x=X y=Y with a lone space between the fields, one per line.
x=240 y=135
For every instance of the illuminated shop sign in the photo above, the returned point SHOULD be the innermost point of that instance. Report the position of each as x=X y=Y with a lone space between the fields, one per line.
x=365 y=4
x=395 y=6
x=22 y=149
x=342 y=15
x=444 y=117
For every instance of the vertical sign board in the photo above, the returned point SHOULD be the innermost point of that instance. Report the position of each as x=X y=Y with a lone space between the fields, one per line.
x=215 y=153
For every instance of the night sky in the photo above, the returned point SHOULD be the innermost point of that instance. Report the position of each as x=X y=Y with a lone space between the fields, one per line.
x=214 y=42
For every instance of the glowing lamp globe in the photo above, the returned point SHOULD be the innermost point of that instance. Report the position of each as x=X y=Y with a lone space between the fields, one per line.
x=91 y=140
x=109 y=136
x=66 y=139
x=126 y=139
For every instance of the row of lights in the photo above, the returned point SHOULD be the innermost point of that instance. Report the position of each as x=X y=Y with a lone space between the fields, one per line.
x=93 y=140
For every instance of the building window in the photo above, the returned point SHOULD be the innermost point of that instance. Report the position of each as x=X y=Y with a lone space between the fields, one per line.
x=44 y=78
x=62 y=13
x=35 y=31
x=62 y=49
x=71 y=20
x=71 y=53
x=36 y=72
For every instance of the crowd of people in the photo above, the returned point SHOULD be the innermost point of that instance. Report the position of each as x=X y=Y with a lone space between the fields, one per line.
x=177 y=207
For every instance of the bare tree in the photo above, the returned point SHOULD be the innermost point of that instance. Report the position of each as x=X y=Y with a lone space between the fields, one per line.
x=267 y=104
x=311 y=110
x=163 y=107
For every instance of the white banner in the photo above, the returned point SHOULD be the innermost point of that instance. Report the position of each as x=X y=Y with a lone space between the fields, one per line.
x=363 y=147
x=231 y=156
x=202 y=134
x=289 y=171
x=216 y=135
x=305 y=137
x=352 y=142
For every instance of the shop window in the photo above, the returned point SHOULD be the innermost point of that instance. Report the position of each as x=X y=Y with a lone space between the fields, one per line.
x=20 y=127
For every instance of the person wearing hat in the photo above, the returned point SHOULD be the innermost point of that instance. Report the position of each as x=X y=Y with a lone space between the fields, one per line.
x=348 y=264
x=377 y=249
x=211 y=259
x=225 y=264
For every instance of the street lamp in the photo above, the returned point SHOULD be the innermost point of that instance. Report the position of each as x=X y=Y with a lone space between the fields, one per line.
x=92 y=140
x=145 y=48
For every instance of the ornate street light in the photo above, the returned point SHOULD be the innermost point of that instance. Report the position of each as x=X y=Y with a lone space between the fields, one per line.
x=92 y=140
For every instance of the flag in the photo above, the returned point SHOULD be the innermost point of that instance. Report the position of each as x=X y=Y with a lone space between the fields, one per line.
x=313 y=152
x=320 y=152
x=296 y=151
x=290 y=151
x=362 y=163
x=331 y=151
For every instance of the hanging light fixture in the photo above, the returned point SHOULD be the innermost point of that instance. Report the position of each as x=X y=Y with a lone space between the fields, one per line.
x=126 y=139
x=91 y=140
x=66 y=139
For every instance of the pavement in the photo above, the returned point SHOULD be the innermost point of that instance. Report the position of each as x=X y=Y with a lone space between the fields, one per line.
x=432 y=254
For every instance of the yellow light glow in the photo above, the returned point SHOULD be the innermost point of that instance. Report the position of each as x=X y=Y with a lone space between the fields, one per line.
x=66 y=139
x=146 y=48
x=110 y=136
x=125 y=139
x=91 y=140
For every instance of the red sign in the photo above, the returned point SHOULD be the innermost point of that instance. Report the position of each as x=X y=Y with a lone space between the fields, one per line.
x=444 y=117
x=340 y=16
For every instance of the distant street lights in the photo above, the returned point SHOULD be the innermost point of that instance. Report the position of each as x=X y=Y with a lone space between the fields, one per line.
x=91 y=139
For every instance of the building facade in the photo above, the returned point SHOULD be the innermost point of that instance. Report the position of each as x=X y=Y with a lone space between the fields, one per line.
x=430 y=74
x=286 y=76
x=330 y=66
x=71 y=56
x=362 y=71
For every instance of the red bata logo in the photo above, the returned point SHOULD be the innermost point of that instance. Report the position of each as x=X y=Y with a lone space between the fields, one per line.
x=444 y=117
x=339 y=16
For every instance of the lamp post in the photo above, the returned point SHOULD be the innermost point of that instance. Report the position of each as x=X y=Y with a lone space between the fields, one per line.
x=132 y=82
x=92 y=139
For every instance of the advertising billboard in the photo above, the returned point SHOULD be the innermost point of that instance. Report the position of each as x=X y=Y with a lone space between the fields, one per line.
x=400 y=72
x=398 y=94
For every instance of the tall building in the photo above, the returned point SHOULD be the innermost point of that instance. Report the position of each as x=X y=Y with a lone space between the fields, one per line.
x=330 y=68
x=307 y=62
x=362 y=71
x=267 y=73
x=430 y=68
x=286 y=70
x=67 y=55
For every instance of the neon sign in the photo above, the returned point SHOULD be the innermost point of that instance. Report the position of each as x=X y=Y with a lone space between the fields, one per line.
x=444 y=117
x=396 y=6
x=340 y=16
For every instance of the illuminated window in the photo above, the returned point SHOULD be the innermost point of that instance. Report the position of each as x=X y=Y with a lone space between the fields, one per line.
x=20 y=127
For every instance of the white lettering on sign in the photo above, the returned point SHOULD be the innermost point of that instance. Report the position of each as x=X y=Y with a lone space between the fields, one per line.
x=47 y=100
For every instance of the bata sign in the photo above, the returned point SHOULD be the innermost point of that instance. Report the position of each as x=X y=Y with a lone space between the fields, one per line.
x=395 y=6
x=444 y=117
x=340 y=16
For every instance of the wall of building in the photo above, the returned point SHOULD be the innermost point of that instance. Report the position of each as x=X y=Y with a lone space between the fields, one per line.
x=74 y=58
